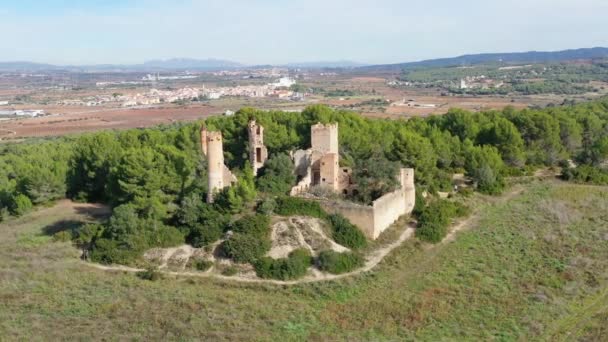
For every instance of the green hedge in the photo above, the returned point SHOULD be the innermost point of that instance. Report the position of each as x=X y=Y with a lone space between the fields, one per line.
x=246 y=248
x=293 y=267
x=289 y=206
x=257 y=225
x=338 y=263
x=435 y=218
x=345 y=233
x=586 y=174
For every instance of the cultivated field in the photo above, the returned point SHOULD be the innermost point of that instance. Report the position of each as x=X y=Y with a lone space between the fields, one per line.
x=529 y=266
x=78 y=120
x=393 y=103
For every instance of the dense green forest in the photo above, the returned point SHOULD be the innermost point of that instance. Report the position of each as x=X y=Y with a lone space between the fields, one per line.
x=155 y=179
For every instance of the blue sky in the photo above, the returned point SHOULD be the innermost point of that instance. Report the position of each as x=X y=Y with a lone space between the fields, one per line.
x=279 y=31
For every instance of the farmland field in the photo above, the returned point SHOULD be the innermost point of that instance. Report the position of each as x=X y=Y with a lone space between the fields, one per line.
x=533 y=266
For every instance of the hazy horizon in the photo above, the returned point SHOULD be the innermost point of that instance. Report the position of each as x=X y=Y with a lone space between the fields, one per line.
x=68 y=32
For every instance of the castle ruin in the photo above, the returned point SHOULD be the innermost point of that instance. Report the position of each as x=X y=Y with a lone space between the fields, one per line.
x=317 y=166
x=320 y=165
x=218 y=175
x=258 y=154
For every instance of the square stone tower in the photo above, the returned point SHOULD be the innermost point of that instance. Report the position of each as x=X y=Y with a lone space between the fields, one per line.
x=258 y=154
x=324 y=138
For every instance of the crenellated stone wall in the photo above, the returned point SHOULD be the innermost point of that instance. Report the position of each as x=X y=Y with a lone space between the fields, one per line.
x=386 y=210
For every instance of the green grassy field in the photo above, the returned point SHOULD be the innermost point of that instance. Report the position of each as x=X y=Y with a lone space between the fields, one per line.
x=533 y=267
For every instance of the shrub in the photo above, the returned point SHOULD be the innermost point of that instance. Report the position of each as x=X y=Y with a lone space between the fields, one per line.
x=246 y=248
x=345 y=233
x=434 y=220
x=338 y=263
x=108 y=251
x=586 y=174
x=230 y=271
x=267 y=206
x=432 y=232
x=4 y=214
x=277 y=176
x=257 y=225
x=293 y=267
x=85 y=234
x=203 y=235
x=202 y=264
x=165 y=236
x=419 y=205
x=20 y=205
x=150 y=273
x=62 y=236
x=288 y=206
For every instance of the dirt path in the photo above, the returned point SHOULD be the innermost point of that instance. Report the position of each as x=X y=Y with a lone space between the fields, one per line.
x=372 y=260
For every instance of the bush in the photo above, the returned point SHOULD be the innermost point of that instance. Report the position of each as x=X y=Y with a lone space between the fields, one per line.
x=267 y=206
x=204 y=226
x=20 y=205
x=586 y=174
x=434 y=220
x=338 y=263
x=257 y=225
x=419 y=205
x=202 y=235
x=230 y=271
x=108 y=251
x=345 y=233
x=289 y=206
x=164 y=237
x=277 y=176
x=246 y=248
x=432 y=232
x=4 y=214
x=85 y=234
x=202 y=264
x=150 y=273
x=293 y=267
x=62 y=236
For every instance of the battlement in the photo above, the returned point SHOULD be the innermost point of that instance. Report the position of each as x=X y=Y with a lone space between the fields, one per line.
x=324 y=138
x=214 y=136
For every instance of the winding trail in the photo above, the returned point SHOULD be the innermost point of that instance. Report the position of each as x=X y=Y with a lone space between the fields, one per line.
x=372 y=260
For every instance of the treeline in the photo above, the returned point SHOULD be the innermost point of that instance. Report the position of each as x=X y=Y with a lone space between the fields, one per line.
x=529 y=88
x=155 y=179
x=557 y=78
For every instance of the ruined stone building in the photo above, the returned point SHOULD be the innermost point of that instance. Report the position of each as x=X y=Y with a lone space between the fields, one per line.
x=317 y=166
x=218 y=175
x=258 y=154
x=320 y=165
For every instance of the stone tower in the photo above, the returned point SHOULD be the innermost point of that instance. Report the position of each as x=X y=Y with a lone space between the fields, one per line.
x=218 y=175
x=215 y=161
x=324 y=138
x=258 y=152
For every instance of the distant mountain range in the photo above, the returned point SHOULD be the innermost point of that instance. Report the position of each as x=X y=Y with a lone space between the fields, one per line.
x=326 y=64
x=509 y=58
x=183 y=64
x=175 y=64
